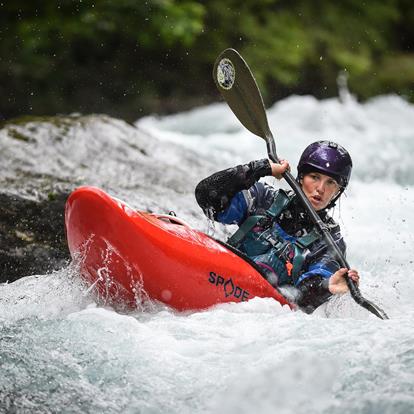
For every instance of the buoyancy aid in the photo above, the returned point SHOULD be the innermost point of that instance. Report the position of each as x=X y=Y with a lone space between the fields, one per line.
x=266 y=243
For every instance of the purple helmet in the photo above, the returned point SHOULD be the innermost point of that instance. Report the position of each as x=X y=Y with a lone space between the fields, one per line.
x=329 y=158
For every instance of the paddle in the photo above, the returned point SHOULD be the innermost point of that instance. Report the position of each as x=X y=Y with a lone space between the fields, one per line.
x=238 y=86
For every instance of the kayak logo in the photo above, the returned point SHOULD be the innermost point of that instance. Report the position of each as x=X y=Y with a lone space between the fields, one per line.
x=230 y=289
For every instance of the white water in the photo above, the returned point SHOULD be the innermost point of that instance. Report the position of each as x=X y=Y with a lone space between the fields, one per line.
x=60 y=352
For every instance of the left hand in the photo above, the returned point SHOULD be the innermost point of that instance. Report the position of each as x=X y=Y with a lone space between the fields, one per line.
x=279 y=169
x=337 y=282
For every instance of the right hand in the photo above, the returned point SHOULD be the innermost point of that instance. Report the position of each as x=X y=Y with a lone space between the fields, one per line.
x=337 y=282
x=279 y=169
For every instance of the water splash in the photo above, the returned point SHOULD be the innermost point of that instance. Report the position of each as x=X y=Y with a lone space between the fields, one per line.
x=59 y=349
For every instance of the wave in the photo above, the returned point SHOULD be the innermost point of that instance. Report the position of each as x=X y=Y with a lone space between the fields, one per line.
x=379 y=133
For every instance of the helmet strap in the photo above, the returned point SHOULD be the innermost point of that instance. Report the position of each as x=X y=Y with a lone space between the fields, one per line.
x=332 y=203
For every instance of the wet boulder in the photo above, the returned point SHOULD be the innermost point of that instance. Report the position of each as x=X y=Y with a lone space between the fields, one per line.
x=44 y=159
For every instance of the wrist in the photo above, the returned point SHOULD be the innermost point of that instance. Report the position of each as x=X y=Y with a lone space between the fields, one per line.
x=260 y=168
x=326 y=284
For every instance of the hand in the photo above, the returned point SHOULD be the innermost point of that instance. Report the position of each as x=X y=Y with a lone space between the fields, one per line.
x=337 y=282
x=279 y=169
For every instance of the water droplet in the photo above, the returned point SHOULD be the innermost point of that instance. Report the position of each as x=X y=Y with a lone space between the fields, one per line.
x=166 y=295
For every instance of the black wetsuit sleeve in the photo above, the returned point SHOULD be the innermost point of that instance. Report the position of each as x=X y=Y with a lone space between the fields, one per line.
x=313 y=292
x=214 y=193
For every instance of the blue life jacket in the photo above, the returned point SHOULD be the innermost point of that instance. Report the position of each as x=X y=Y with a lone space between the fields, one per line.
x=282 y=256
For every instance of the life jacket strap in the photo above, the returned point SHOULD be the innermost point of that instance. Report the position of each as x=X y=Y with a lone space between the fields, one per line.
x=301 y=251
x=306 y=240
x=248 y=224
x=280 y=202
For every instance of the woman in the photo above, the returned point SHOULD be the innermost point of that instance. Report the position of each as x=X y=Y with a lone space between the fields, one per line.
x=274 y=229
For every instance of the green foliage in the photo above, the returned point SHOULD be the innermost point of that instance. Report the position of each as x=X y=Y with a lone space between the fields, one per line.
x=129 y=57
x=395 y=73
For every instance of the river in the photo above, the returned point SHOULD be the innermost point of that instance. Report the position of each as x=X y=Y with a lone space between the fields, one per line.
x=61 y=351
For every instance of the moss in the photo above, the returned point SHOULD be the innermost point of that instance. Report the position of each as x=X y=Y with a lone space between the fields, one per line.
x=13 y=133
x=24 y=128
x=26 y=119
x=51 y=196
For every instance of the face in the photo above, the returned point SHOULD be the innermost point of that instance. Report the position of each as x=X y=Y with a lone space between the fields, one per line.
x=320 y=189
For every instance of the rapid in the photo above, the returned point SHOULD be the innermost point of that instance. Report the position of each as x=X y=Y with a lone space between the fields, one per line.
x=62 y=351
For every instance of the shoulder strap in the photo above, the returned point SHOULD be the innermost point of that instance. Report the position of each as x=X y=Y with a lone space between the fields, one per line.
x=280 y=202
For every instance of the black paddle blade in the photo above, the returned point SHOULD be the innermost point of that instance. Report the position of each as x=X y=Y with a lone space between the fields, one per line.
x=365 y=303
x=238 y=87
x=377 y=311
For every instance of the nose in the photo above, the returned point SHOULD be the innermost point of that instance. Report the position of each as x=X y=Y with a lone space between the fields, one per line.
x=320 y=188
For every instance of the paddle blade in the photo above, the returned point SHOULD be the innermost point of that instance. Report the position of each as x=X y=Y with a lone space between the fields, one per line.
x=238 y=87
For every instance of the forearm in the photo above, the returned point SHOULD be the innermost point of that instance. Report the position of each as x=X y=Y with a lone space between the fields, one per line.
x=214 y=193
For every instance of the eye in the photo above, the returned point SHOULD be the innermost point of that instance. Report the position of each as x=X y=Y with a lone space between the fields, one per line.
x=333 y=183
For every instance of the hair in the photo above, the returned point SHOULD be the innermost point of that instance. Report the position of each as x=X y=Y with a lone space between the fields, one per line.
x=307 y=169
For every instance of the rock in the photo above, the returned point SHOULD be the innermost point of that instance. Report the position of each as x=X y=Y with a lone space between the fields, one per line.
x=32 y=237
x=34 y=186
x=44 y=159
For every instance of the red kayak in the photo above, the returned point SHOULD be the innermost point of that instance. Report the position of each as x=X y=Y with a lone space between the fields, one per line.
x=131 y=256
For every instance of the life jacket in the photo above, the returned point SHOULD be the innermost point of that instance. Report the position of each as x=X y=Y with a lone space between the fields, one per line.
x=269 y=246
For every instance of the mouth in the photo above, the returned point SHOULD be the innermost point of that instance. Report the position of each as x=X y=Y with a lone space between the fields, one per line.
x=317 y=199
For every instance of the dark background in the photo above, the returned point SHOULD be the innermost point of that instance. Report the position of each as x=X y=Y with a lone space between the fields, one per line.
x=129 y=58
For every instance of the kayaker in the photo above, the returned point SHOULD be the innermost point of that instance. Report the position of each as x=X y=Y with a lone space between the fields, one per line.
x=274 y=229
